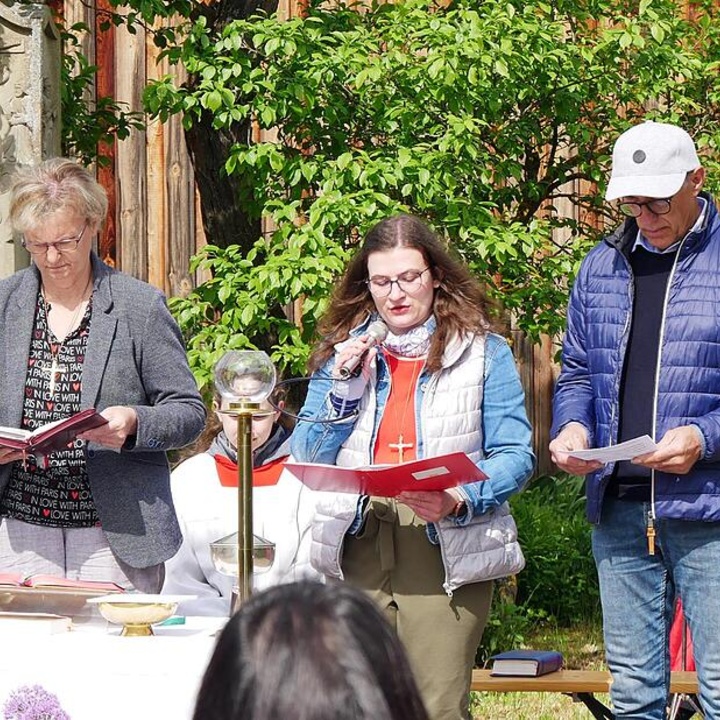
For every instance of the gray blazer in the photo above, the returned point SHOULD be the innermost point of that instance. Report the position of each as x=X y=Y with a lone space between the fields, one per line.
x=135 y=357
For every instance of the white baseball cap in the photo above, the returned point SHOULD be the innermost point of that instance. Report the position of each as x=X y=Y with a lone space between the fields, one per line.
x=651 y=160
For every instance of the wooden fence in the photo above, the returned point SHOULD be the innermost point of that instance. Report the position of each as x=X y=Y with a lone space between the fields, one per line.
x=154 y=224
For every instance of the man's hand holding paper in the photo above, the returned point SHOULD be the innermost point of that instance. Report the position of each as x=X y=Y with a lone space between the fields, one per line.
x=573 y=437
x=677 y=452
x=679 y=449
x=628 y=450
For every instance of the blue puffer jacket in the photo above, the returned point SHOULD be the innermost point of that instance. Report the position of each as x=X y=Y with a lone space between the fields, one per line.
x=688 y=376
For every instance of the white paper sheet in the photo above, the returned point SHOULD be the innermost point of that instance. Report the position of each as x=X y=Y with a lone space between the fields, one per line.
x=622 y=451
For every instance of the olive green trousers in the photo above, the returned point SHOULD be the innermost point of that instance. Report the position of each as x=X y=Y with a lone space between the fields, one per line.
x=395 y=563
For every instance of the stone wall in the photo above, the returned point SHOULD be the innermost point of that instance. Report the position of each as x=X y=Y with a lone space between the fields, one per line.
x=29 y=105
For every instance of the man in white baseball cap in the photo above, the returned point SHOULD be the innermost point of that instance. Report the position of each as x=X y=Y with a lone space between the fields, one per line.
x=652 y=160
x=641 y=356
x=656 y=175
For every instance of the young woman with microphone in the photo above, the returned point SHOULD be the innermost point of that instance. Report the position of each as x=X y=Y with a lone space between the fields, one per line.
x=438 y=381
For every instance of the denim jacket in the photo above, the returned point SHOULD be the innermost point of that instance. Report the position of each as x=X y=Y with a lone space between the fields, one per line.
x=478 y=378
x=498 y=438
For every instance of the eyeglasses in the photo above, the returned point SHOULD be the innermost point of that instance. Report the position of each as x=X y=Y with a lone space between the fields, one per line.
x=409 y=282
x=656 y=207
x=60 y=246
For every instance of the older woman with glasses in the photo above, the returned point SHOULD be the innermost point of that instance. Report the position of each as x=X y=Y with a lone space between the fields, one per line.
x=440 y=382
x=77 y=334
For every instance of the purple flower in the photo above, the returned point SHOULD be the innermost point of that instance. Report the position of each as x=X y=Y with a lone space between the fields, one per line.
x=33 y=702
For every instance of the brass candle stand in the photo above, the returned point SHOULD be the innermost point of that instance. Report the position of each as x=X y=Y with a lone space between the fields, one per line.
x=245 y=378
x=244 y=411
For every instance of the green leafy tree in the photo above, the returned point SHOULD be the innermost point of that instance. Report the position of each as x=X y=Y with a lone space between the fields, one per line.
x=88 y=125
x=88 y=121
x=209 y=144
x=493 y=120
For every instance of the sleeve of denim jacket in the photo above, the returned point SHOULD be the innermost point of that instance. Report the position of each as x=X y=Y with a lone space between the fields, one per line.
x=320 y=441
x=507 y=437
x=573 y=398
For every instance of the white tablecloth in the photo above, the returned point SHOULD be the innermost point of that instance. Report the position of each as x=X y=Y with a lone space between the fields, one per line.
x=98 y=675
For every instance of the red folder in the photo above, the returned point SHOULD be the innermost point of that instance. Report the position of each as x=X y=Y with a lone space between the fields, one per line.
x=436 y=473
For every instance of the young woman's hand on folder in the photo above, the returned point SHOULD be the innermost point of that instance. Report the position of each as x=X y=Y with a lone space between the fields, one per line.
x=430 y=506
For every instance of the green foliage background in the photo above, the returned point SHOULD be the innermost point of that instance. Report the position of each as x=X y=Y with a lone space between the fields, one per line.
x=87 y=126
x=559 y=577
x=493 y=120
x=559 y=584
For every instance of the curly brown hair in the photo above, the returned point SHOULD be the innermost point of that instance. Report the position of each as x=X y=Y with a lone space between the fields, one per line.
x=460 y=305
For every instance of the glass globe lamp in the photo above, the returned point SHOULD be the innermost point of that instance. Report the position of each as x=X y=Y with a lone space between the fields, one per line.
x=245 y=376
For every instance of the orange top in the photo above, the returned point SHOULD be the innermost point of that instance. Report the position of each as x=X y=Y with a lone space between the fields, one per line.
x=398 y=420
x=267 y=474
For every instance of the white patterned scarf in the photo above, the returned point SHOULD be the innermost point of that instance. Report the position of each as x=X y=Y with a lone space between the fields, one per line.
x=414 y=342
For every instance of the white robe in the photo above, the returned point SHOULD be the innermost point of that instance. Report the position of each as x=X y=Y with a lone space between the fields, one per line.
x=207 y=511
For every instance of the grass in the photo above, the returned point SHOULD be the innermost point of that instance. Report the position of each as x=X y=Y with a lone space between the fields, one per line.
x=582 y=649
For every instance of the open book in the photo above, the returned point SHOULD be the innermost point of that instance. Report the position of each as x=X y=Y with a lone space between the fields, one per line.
x=54 y=436
x=54 y=582
x=436 y=473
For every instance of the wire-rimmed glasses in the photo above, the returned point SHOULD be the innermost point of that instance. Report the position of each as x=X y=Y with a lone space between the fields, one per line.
x=409 y=282
x=660 y=206
x=60 y=246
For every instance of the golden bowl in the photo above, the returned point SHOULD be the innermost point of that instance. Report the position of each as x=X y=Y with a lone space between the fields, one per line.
x=136 y=612
x=224 y=554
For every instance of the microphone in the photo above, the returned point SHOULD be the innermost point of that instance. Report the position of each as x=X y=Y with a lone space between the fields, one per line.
x=377 y=331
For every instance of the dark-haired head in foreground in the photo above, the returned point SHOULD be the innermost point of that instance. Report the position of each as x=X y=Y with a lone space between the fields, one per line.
x=309 y=651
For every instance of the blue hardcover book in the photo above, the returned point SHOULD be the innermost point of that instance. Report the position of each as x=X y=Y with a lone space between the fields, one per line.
x=526 y=663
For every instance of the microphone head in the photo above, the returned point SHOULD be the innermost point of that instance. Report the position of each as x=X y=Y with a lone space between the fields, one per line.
x=378 y=330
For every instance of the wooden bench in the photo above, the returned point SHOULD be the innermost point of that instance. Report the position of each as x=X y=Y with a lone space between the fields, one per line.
x=580 y=684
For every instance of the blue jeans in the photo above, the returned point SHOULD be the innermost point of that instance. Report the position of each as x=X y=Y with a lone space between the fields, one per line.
x=637 y=591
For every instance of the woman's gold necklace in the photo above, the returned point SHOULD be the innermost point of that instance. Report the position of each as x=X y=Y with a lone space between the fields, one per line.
x=401 y=446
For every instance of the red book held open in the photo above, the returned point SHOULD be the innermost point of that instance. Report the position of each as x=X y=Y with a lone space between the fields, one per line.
x=51 y=437
x=436 y=473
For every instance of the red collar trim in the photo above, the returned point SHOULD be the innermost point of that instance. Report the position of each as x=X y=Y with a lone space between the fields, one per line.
x=267 y=474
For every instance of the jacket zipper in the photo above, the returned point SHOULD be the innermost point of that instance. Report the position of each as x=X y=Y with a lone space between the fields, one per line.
x=618 y=374
x=651 y=514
